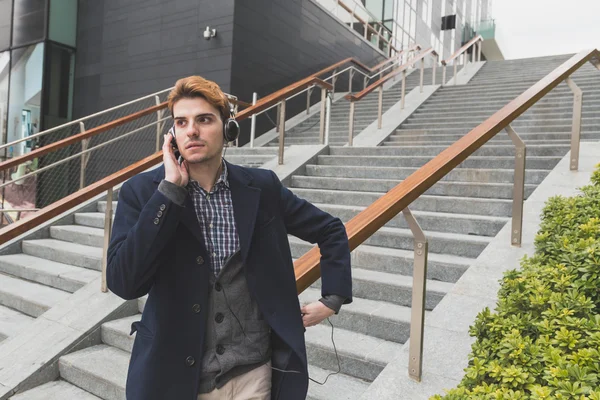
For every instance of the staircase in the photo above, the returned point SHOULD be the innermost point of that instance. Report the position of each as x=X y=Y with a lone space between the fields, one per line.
x=460 y=215
x=307 y=132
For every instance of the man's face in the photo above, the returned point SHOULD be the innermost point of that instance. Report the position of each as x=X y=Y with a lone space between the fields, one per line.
x=198 y=130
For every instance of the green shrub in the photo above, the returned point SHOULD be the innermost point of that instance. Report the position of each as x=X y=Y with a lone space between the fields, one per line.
x=543 y=339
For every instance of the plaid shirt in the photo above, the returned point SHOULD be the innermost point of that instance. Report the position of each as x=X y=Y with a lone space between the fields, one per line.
x=215 y=216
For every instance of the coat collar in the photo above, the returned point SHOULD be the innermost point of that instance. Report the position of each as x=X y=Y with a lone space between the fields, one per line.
x=245 y=199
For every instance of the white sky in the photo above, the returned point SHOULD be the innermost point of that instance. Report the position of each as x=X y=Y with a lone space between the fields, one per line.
x=531 y=28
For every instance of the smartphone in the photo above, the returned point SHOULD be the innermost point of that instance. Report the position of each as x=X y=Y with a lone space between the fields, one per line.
x=174 y=145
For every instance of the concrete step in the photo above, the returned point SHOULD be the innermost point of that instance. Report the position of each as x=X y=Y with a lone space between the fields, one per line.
x=65 y=252
x=375 y=318
x=402 y=135
x=506 y=162
x=100 y=370
x=91 y=219
x=102 y=206
x=361 y=356
x=27 y=297
x=55 y=390
x=79 y=234
x=442 y=188
x=444 y=204
x=12 y=322
x=250 y=151
x=591 y=93
x=57 y=275
x=440 y=267
x=116 y=333
x=401 y=142
x=480 y=225
x=344 y=386
x=439 y=242
x=518 y=123
x=487 y=150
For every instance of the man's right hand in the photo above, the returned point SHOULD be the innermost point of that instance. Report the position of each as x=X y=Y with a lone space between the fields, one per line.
x=174 y=173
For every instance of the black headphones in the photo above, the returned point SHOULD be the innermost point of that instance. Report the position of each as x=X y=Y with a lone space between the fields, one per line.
x=231 y=128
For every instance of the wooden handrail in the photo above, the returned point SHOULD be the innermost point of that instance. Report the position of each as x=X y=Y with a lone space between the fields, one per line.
x=284 y=93
x=375 y=85
x=389 y=205
x=65 y=204
x=462 y=49
x=415 y=47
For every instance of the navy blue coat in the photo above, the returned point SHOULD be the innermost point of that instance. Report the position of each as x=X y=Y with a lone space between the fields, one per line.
x=157 y=248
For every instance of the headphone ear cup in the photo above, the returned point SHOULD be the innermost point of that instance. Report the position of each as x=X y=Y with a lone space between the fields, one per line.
x=231 y=130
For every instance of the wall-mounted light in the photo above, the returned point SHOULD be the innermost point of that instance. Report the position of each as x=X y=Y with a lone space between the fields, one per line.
x=209 y=33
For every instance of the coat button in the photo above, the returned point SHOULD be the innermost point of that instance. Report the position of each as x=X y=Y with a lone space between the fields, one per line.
x=159 y=214
x=196 y=308
x=218 y=287
x=190 y=361
x=219 y=318
x=199 y=260
x=220 y=350
x=156 y=221
x=162 y=207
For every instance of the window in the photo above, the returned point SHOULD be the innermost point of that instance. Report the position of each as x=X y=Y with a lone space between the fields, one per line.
x=28 y=21
x=5 y=25
x=25 y=93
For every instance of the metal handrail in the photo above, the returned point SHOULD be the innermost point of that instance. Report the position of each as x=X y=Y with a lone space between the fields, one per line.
x=397 y=199
x=354 y=98
x=476 y=43
x=75 y=123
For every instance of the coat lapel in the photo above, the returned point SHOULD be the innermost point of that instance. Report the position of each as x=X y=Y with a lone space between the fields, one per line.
x=245 y=200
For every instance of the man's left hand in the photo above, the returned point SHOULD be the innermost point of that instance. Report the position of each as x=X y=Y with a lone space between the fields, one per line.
x=314 y=313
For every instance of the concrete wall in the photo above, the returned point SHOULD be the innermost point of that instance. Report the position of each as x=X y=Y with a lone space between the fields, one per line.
x=278 y=42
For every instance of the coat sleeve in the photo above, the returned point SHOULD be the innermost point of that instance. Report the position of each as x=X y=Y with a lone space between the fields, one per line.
x=139 y=235
x=309 y=223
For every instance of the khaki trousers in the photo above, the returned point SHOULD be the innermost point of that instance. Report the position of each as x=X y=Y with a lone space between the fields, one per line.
x=253 y=385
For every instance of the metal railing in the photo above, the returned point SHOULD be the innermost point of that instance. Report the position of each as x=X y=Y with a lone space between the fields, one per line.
x=326 y=100
x=461 y=56
x=398 y=199
x=355 y=98
x=52 y=170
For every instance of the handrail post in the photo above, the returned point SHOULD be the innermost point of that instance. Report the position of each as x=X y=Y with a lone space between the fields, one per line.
x=443 y=74
x=327 y=118
x=422 y=72
x=403 y=89
x=351 y=124
x=366 y=28
x=281 y=130
x=351 y=77
x=253 y=120
x=366 y=81
x=158 y=127
x=417 y=318
x=333 y=80
x=107 y=232
x=479 y=46
x=380 y=116
x=323 y=110
x=519 y=187
x=308 y=94
x=455 y=62
x=434 y=69
x=576 y=130
x=84 y=156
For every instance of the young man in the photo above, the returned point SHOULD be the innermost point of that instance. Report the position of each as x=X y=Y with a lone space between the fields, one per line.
x=208 y=241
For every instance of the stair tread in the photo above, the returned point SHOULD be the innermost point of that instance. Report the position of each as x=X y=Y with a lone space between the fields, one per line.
x=56 y=390
x=12 y=322
x=61 y=245
x=344 y=386
x=41 y=295
x=46 y=267
x=352 y=344
x=103 y=362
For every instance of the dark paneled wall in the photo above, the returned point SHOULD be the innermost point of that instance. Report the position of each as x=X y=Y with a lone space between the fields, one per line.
x=130 y=48
x=278 y=42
